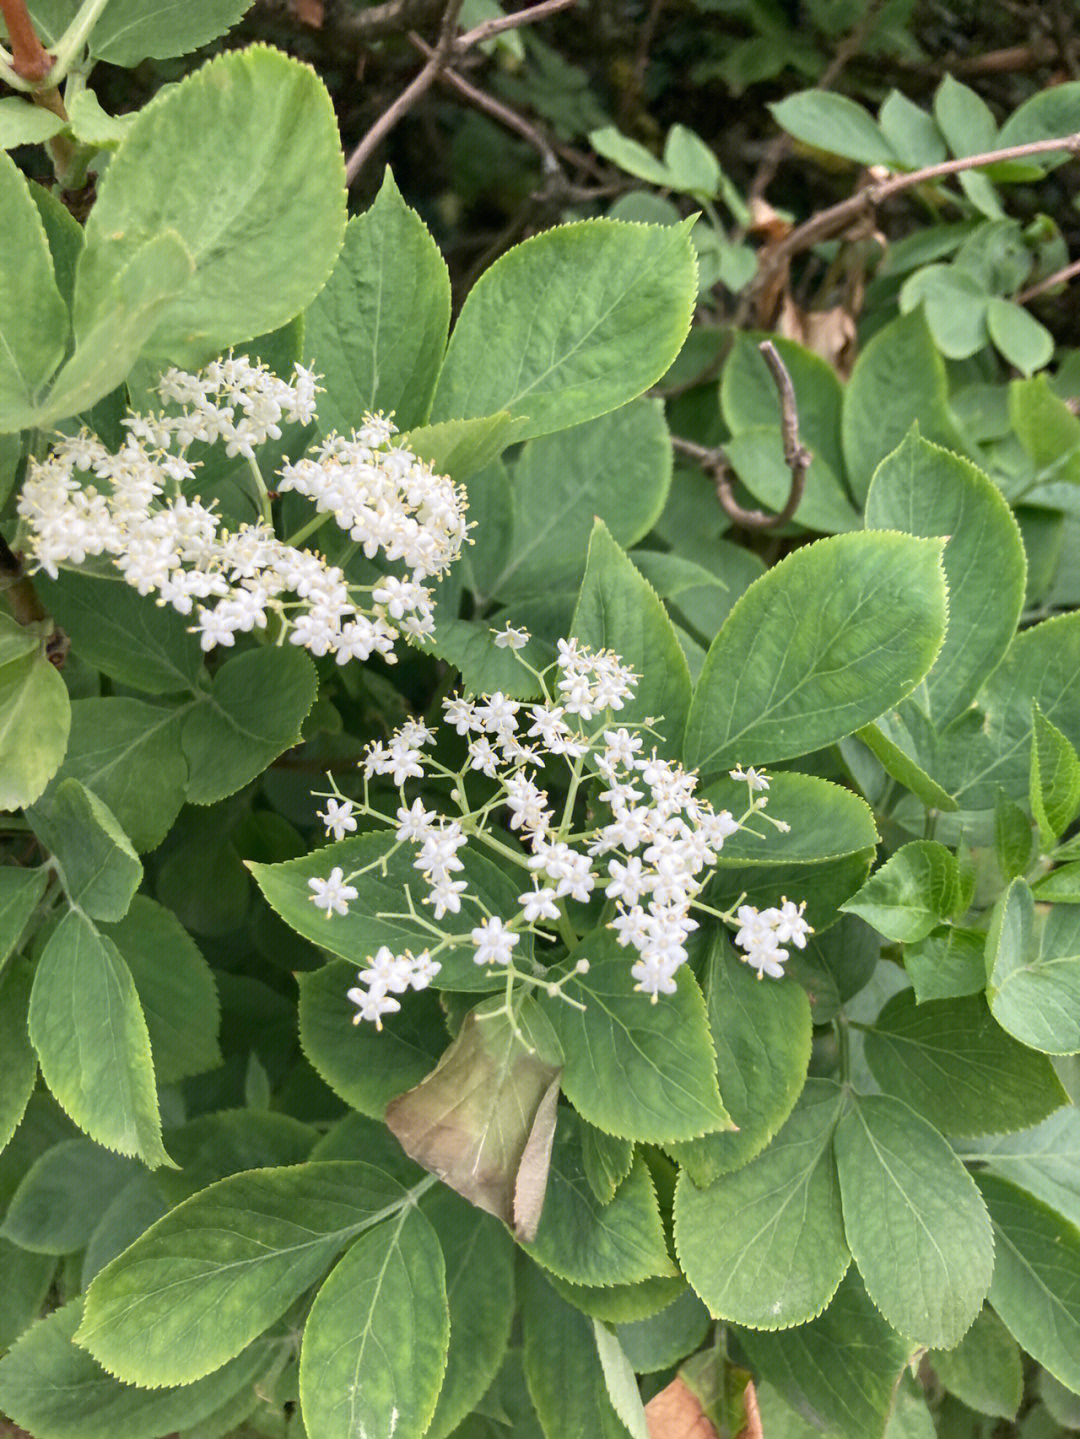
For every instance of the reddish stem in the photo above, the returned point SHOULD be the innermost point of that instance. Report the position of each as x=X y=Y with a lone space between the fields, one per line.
x=29 y=58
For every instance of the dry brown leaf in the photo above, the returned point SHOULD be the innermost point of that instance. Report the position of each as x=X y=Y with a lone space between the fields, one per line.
x=752 y=1428
x=829 y=333
x=310 y=12
x=676 y=1413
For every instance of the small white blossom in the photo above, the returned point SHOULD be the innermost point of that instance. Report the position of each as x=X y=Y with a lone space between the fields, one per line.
x=511 y=638
x=332 y=894
x=338 y=817
x=494 y=942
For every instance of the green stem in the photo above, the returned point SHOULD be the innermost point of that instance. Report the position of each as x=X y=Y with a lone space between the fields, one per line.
x=307 y=530
x=8 y=75
x=262 y=496
x=567 y=933
x=74 y=38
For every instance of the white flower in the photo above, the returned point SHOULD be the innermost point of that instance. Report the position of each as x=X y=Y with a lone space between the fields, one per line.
x=414 y=823
x=494 y=942
x=332 y=894
x=537 y=904
x=510 y=638
x=753 y=777
x=372 y=1004
x=338 y=817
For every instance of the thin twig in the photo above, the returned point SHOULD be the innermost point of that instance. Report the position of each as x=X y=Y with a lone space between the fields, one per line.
x=796 y=456
x=447 y=47
x=827 y=223
x=1059 y=277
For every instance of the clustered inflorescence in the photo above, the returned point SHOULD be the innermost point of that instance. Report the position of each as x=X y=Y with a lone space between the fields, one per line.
x=391 y=505
x=648 y=849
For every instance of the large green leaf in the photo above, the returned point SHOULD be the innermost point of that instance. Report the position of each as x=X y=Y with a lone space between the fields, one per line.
x=913 y=1217
x=26 y=1279
x=365 y=1066
x=765 y=1246
x=616 y=468
x=129 y=754
x=479 y=1256
x=948 y=963
x=375 y=1341
x=835 y=123
x=175 y=986
x=378 y=915
x=19 y=1073
x=59 y=1202
x=210 y=1276
x=378 y=327
x=1034 y=972
x=128 y=31
x=99 y=869
x=562 y=1367
x=618 y=610
x=227 y=1141
x=954 y=1065
x=826 y=822
x=1044 y=1160
x=88 y=1028
x=56 y=1390
x=253 y=711
x=829 y=639
x=636 y=1069
x=472 y=1120
x=922 y=489
x=35 y=717
x=758 y=458
x=840 y=1371
x=20 y=893
x=1047 y=429
x=262 y=213
x=911 y=893
x=749 y=397
x=898 y=374
x=115 y=629
x=570 y=324
x=1036 y=1288
x=762 y=1035
x=33 y=316
x=587 y=1242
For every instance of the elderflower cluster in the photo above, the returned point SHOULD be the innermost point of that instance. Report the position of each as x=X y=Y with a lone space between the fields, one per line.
x=762 y=932
x=641 y=851
x=163 y=541
x=388 y=974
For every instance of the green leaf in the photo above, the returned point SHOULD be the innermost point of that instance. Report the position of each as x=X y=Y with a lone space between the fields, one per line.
x=1045 y=116
x=629 y=156
x=59 y=1202
x=984 y=1371
x=762 y=1034
x=635 y=1069
x=1012 y=838
x=375 y=1341
x=365 y=1066
x=129 y=307
x=749 y=398
x=562 y=1366
x=259 y=258
x=91 y=125
x=229 y=1141
x=479 y=1257
x=470 y=1120
x=35 y=717
x=616 y=468
x=460 y=448
x=115 y=629
x=840 y=1371
x=1022 y=340
x=252 y=713
x=1034 y=972
x=20 y=894
x=58 y=1391
x=757 y=457
x=24 y=123
x=1044 y=1160
x=826 y=822
x=570 y=324
x=19 y=1073
x=1055 y=779
x=948 y=963
x=924 y=490
x=88 y=1028
x=913 y=1217
x=99 y=869
x=912 y=133
x=128 y=753
x=692 y=166
x=130 y=1213
x=607 y=1160
x=216 y=1271
x=1047 y=429
x=955 y=1066
x=128 y=31
x=890 y=742
x=834 y=635
x=955 y=304
x=378 y=328
x=900 y=361
x=33 y=316
x=589 y=1242
x=621 y=1303
x=911 y=893
x=618 y=609
x=26 y=1279
x=765 y=1246
x=663 y=1339
x=1036 y=1288
x=175 y=986
x=964 y=118
x=832 y=122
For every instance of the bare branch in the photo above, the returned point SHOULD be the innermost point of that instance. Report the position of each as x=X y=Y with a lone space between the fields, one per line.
x=483 y=32
x=830 y=222
x=1051 y=282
